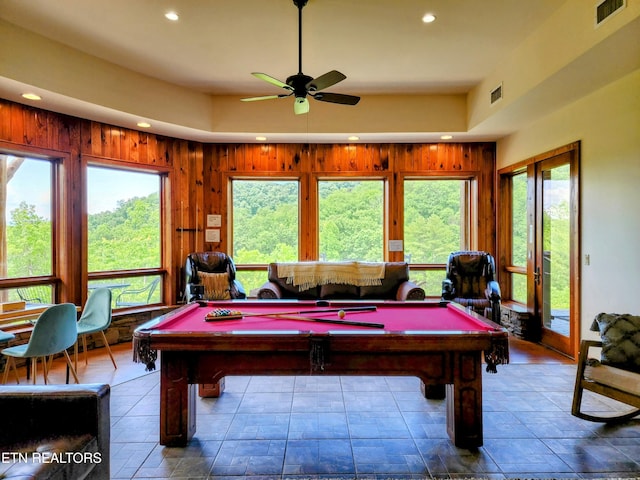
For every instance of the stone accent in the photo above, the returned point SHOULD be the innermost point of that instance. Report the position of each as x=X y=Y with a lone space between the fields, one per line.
x=515 y=318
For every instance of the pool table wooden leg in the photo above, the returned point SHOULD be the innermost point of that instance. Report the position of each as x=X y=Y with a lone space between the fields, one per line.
x=433 y=392
x=464 y=401
x=211 y=390
x=177 y=401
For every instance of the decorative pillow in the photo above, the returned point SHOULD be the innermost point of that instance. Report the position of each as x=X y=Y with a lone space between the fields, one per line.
x=216 y=285
x=620 y=335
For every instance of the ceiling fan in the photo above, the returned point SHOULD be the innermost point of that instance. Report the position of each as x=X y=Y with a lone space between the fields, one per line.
x=303 y=86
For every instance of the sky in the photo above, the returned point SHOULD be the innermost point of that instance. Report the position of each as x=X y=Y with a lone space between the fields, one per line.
x=106 y=187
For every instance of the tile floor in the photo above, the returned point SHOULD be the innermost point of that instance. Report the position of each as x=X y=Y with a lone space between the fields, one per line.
x=365 y=427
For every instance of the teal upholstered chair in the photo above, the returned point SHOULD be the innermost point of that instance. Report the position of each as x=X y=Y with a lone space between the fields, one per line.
x=55 y=331
x=6 y=336
x=95 y=318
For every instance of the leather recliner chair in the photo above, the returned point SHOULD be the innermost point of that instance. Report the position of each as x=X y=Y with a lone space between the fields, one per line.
x=210 y=263
x=470 y=281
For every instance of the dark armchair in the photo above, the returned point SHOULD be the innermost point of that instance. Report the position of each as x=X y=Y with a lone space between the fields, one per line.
x=204 y=269
x=471 y=282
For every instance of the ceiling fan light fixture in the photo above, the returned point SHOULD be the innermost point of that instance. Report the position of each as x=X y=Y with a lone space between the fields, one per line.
x=301 y=106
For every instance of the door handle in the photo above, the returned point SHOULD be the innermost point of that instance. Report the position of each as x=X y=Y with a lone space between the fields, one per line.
x=536 y=276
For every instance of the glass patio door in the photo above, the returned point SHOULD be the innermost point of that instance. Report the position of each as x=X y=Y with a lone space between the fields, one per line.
x=555 y=253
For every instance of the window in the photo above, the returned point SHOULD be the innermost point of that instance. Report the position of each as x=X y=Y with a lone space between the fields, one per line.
x=518 y=267
x=26 y=228
x=435 y=224
x=351 y=216
x=124 y=234
x=265 y=225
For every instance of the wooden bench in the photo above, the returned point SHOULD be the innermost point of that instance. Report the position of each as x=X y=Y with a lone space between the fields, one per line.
x=616 y=383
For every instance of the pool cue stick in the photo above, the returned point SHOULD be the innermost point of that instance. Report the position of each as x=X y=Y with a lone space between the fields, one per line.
x=329 y=320
x=301 y=312
x=365 y=308
x=368 y=308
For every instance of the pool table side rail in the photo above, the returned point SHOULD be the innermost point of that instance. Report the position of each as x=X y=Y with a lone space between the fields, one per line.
x=148 y=340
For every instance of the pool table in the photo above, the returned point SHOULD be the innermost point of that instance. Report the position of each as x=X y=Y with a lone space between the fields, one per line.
x=440 y=343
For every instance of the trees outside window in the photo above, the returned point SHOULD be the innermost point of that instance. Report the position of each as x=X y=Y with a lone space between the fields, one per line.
x=348 y=223
x=124 y=233
x=351 y=218
x=265 y=225
x=435 y=224
x=518 y=266
x=26 y=227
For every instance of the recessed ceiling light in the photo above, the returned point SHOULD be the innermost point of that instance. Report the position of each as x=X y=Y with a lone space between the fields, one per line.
x=446 y=137
x=353 y=138
x=31 y=96
x=144 y=124
x=173 y=16
x=429 y=18
x=261 y=139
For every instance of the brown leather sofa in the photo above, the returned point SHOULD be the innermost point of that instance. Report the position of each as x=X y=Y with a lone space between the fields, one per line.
x=395 y=286
x=55 y=432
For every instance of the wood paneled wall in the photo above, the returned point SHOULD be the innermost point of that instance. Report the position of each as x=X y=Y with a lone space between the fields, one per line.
x=196 y=176
x=392 y=162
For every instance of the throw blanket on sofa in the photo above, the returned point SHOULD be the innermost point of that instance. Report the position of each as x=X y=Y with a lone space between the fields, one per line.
x=306 y=275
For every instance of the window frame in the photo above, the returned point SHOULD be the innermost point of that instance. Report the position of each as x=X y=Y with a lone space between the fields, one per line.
x=302 y=193
x=54 y=279
x=393 y=211
x=164 y=214
x=506 y=244
x=352 y=177
x=468 y=215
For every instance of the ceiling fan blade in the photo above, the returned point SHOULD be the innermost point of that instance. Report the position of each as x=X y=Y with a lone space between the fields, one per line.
x=266 y=97
x=271 y=80
x=325 y=81
x=336 y=98
x=301 y=105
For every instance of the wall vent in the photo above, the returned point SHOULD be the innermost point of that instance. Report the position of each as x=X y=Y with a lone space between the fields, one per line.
x=607 y=8
x=496 y=94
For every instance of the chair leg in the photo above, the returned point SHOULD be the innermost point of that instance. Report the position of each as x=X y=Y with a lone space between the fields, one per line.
x=46 y=366
x=106 y=344
x=70 y=365
x=15 y=370
x=84 y=350
x=75 y=354
x=34 y=369
x=7 y=366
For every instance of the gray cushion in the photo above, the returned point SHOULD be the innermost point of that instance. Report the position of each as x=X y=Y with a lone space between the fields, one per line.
x=620 y=335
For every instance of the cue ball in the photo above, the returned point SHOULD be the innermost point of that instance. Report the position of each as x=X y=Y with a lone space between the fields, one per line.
x=341 y=314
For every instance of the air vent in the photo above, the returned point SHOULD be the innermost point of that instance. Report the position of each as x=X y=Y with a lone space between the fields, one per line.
x=496 y=94
x=607 y=8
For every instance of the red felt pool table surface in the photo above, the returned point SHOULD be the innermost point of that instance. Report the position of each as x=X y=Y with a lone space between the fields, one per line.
x=415 y=317
x=443 y=345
